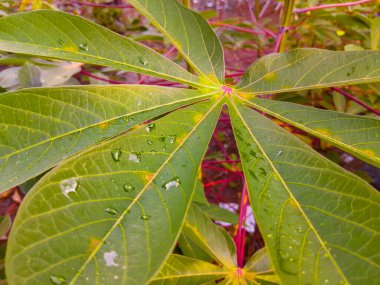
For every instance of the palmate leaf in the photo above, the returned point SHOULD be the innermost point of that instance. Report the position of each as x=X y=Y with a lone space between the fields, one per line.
x=60 y=35
x=190 y=33
x=39 y=127
x=118 y=220
x=357 y=135
x=320 y=223
x=308 y=68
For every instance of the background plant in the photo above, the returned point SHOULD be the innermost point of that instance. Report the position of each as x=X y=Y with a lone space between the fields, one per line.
x=255 y=149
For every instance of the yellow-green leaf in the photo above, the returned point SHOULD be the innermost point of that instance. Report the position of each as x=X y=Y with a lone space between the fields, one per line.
x=55 y=34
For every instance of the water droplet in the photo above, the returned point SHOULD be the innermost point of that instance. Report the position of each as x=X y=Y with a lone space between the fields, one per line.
x=326 y=281
x=58 y=280
x=149 y=142
x=109 y=258
x=135 y=157
x=142 y=60
x=299 y=229
x=128 y=187
x=115 y=277
x=111 y=211
x=145 y=217
x=83 y=47
x=68 y=186
x=262 y=171
x=172 y=183
x=303 y=272
x=116 y=154
x=291 y=259
x=270 y=236
x=172 y=138
x=150 y=127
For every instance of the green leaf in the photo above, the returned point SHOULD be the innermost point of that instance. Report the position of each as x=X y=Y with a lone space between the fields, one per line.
x=213 y=239
x=190 y=33
x=259 y=262
x=40 y=127
x=183 y=270
x=357 y=135
x=302 y=69
x=60 y=35
x=319 y=222
x=5 y=224
x=199 y=194
x=117 y=219
x=190 y=249
x=219 y=214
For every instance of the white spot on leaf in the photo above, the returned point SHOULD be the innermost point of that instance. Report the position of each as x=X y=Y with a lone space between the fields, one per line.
x=109 y=258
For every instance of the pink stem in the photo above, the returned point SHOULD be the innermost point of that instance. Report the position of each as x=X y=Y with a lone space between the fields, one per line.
x=84 y=72
x=327 y=6
x=220 y=161
x=240 y=236
x=127 y=6
x=221 y=181
x=240 y=29
x=278 y=41
x=345 y=94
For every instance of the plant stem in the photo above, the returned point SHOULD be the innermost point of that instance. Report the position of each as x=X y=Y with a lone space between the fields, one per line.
x=126 y=6
x=286 y=21
x=240 y=236
x=84 y=72
x=347 y=95
x=328 y=6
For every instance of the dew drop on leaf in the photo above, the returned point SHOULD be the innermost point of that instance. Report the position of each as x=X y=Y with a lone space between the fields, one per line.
x=150 y=127
x=58 y=280
x=172 y=183
x=83 y=47
x=116 y=154
x=142 y=60
x=145 y=217
x=69 y=186
x=111 y=211
x=128 y=187
x=172 y=138
x=134 y=157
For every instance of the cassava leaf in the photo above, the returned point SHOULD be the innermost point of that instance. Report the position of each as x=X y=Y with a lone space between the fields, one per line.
x=39 y=127
x=307 y=68
x=183 y=270
x=190 y=249
x=118 y=219
x=357 y=135
x=319 y=222
x=213 y=239
x=61 y=35
x=190 y=33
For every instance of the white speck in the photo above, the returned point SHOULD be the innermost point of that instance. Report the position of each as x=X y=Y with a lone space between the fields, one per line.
x=115 y=277
x=109 y=258
x=134 y=157
x=171 y=184
x=68 y=186
x=139 y=102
